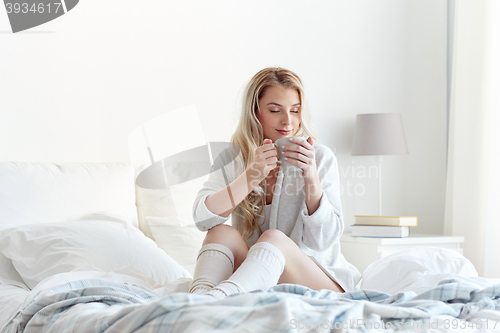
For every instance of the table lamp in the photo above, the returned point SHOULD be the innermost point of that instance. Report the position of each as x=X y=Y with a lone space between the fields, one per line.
x=379 y=134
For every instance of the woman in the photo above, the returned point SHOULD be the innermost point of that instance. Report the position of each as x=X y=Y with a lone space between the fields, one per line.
x=285 y=227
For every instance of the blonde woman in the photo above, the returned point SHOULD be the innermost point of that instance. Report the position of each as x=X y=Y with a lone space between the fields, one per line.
x=285 y=227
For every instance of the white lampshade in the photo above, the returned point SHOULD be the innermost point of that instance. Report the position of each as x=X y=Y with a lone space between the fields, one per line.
x=379 y=134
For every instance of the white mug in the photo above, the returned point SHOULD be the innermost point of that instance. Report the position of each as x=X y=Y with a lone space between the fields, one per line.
x=287 y=167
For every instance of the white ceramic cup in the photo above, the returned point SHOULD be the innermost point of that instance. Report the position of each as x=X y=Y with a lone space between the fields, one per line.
x=287 y=167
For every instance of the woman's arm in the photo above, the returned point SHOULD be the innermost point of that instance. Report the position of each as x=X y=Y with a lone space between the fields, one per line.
x=313 y=193
x=217 y=200
x=224 y=201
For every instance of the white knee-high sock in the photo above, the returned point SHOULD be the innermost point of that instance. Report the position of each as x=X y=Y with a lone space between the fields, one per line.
x=261 y=270
x=214 y=264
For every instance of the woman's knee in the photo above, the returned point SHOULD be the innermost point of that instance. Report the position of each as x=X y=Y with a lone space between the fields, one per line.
x=222 y=234
x=231 y=238
x=221 y=230
x=276 y=237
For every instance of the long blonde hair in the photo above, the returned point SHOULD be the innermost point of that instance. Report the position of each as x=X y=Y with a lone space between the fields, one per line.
x=249 y=134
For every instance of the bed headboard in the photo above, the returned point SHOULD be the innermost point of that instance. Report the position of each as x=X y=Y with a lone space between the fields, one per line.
x=32 y=193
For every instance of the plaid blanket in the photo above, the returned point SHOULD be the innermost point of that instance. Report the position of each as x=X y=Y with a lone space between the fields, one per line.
x=97 y=305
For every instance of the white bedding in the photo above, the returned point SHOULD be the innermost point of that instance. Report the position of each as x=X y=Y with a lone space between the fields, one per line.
x=99 y=242
x=63 y=223
x=37 y=193
x=101 y=246
x=14 y=298
x=11 y=300
x=96 y=304
x=418 y=270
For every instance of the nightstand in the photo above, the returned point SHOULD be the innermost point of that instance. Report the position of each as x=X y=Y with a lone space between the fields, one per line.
x=362 y=251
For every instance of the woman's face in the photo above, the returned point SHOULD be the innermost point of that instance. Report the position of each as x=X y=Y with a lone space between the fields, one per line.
x=279 y=112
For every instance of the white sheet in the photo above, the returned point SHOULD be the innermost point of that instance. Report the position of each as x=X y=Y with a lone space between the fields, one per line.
x=11 y=300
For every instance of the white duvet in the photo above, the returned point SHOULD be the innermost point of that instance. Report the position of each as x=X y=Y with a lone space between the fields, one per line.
x=95 y=304
x=14 y=298
x=104 y=246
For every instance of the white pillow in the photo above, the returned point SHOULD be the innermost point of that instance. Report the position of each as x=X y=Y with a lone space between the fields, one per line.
x=9 y=274
x=181 y=242
x=103 y=244
x=175 y=201
x=415 y=269
x=38 y=193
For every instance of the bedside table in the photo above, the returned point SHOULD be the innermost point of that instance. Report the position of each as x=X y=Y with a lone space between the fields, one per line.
x=362 y=251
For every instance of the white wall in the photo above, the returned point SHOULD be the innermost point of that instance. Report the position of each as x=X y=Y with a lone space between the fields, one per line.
x=73 y=89
x=474 y=148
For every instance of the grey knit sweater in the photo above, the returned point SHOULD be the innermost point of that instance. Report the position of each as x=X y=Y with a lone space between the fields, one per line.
x=317 y=234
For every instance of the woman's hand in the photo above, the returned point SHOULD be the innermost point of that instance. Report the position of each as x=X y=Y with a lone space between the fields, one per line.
x=265 y=159
x=303 y=156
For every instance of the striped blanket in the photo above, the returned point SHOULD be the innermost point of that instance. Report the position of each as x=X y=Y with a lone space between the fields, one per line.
x=98 y=305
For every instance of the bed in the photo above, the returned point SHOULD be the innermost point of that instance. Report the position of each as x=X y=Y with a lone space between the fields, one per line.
x=83 y=250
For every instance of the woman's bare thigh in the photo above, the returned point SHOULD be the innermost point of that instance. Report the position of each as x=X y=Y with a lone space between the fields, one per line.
x=299 y=268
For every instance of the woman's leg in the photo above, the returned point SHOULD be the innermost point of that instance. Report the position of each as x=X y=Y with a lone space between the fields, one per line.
x=275 y=258
x=216 y=258
x=261 y=269
x=231 y=238
x=299 y=268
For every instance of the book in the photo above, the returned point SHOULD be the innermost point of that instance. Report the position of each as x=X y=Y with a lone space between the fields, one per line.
x=409 y=221
x=379 y=231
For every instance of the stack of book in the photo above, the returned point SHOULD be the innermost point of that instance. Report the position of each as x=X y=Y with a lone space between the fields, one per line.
x=383 y=226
